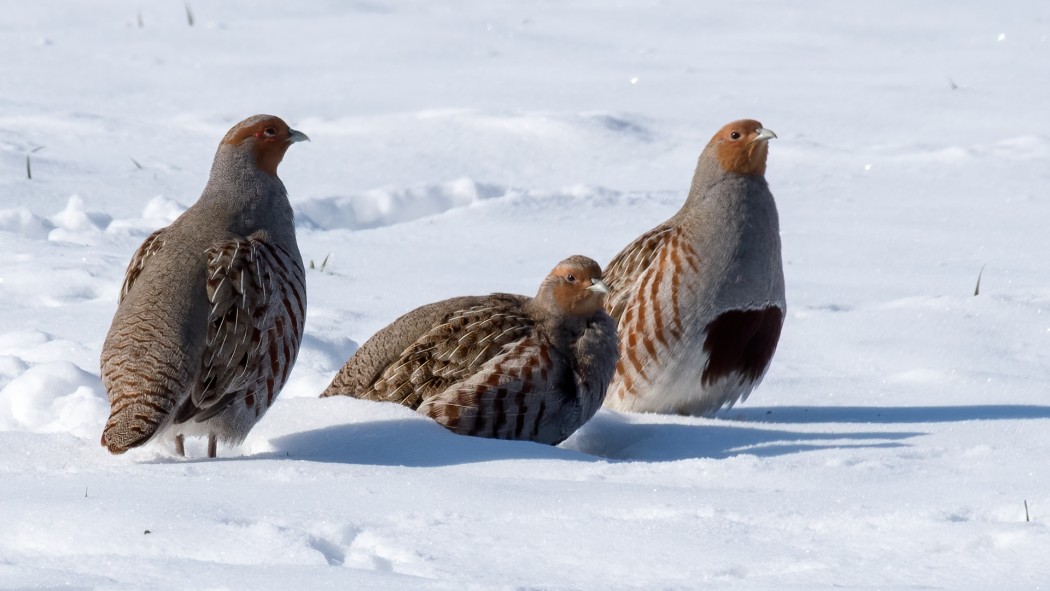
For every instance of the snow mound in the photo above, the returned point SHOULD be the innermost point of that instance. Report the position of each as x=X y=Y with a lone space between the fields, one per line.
x=20 y=220
x=19 y=342
x=387 y=206
x=161 y=211
x=56 y=396
x=77 y=224
x=158 y=212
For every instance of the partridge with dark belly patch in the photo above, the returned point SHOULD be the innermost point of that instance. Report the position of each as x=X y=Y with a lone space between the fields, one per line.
x=699 y=300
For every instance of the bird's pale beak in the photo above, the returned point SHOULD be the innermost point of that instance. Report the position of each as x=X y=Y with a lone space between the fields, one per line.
x=297 y=136
x=599 y=286
x=764 y=135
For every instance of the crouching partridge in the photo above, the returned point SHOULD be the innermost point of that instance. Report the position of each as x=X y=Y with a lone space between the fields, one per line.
x=501 y=366
x=212 y=308
x=699 y=300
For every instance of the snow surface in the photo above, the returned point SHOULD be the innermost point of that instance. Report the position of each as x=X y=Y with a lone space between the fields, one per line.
x=466 y=147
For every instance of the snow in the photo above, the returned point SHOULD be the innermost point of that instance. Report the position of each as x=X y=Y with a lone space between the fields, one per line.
x=465 y=148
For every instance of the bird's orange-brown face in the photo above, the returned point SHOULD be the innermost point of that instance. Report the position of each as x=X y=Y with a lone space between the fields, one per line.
x=578 y=286
x=268 y=138
x=742 y=147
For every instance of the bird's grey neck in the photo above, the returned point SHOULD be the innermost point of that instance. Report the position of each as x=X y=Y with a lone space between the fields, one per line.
x=708 y=174
x=716 y=194
x=236 y=184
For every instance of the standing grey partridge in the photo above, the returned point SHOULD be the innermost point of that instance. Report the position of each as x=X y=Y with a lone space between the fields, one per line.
x=212 y=308
x=699 y=299
x=501 y=366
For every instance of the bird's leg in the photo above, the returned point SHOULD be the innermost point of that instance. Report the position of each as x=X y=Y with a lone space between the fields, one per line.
x=180 y=449
x=211 y=445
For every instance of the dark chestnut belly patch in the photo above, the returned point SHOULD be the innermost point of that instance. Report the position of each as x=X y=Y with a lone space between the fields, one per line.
x=741 y=342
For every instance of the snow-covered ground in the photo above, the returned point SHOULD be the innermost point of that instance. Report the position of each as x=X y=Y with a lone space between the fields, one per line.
x=466 y=147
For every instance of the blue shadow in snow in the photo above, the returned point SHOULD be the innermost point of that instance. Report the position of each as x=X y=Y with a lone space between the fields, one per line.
x=614 y=436
x=887 y=414
x=404 y=442
x=414 y=443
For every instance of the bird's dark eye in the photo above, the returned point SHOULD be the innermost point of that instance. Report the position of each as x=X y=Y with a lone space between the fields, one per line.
x=269 y=132
x=570 y=278
x=735 y=135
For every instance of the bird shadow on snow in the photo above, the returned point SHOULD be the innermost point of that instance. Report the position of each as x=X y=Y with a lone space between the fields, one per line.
x=736 y=432
x=416 y=442
x=609 y=436
x=626 y=437
x=405 y=442
x=889 y=414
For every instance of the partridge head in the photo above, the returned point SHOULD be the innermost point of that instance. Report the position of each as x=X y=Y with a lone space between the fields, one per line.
x=266 y=138
x=742 y=147
x=574 y=288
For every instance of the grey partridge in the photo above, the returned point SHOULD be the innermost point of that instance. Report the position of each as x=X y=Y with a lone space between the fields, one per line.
x=500 y=366
x=699 y=299
x=212 y=308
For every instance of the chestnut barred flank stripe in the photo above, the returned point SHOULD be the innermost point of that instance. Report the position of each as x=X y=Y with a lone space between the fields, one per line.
x=646 y=330
x=699 y=300
x=500 y=366
x=213 y=306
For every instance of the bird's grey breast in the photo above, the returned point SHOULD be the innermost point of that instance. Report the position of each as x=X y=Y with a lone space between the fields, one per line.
x=737 y=235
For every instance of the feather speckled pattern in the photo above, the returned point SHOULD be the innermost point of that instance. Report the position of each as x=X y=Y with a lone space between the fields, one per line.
x=212 y=309
x=699 y=299
x=501 y=366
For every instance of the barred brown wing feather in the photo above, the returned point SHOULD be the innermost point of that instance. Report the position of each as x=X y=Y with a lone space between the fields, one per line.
x=153 y=243
x=452 y=351
x=514 y=396
x=258 y=306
